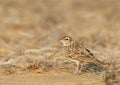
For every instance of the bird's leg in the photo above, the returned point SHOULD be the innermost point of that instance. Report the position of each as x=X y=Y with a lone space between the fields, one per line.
x=78 y=65
x=77 y=68
x=81 y=67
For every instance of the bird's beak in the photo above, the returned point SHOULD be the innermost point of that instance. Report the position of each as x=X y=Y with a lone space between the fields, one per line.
x=61 y=40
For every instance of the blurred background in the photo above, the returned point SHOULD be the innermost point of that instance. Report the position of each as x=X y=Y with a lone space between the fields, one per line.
x=30 y=31
x=35 y=24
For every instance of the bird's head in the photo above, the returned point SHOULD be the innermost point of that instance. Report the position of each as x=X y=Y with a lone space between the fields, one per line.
x=66 y=41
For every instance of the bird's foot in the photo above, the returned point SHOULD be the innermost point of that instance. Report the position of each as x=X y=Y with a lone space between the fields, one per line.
x=77 y=72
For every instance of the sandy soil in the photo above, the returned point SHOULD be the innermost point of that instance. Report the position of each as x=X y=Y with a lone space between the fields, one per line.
x=30 y=31
x=53 y=77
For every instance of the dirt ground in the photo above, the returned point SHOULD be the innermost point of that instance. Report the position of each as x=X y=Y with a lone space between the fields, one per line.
x=30 y=31
x=53 y=77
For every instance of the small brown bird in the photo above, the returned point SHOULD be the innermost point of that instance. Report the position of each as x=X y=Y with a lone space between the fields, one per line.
x=78 y=53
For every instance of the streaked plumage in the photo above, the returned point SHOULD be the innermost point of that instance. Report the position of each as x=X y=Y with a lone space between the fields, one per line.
x=78 y=53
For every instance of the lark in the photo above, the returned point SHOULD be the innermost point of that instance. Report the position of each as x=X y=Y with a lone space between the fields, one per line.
x=78 y=53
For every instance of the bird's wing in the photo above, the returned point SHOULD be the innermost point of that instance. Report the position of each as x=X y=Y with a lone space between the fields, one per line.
x=85 y=52
x=88 y=52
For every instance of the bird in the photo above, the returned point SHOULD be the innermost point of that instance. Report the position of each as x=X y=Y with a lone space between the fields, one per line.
x=78 y=53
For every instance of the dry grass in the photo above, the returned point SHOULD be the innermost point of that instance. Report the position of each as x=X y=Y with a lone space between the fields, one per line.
x=30 y=30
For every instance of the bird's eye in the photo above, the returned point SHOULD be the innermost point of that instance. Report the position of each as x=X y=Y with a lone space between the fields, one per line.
x=66 y=39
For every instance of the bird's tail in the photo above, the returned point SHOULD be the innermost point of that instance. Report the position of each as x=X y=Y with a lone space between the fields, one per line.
x=104 y=64
x=96 y=61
